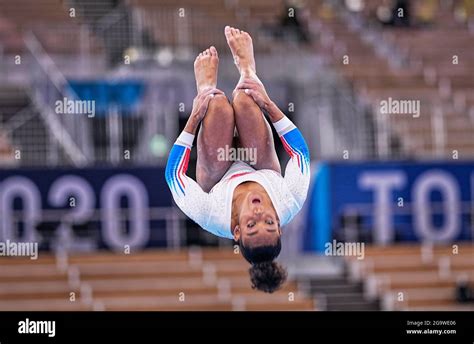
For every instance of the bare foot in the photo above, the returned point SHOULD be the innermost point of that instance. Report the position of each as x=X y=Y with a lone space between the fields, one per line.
x=240 y=44
x=205 y=69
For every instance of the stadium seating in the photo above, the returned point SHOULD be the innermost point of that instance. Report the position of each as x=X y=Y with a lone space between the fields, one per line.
x=426 y=73
x=207 y=20
x=338 y=293
x=414 y=277
x=55 y=25
x=383 y=61
x=156 y=280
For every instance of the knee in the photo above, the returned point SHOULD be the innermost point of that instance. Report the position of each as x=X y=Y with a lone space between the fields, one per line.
x=242 y=101
x=221 y=104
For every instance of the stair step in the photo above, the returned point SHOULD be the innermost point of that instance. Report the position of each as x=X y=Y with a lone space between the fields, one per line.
x=357 y=306
x=354 y=297
x=337 y=289
x=328 y=281
x=341 y=294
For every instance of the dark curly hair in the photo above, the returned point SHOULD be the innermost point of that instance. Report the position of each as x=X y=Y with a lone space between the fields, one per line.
x=265 y=274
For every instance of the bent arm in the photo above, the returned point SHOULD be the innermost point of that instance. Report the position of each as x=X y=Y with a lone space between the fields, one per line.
x=297 y=172
x=187 y=194
x=294 y=143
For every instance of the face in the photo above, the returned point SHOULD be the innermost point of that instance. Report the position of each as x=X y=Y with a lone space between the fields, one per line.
x=258 y=221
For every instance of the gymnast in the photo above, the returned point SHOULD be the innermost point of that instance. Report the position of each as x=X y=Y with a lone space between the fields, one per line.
x=248 y=202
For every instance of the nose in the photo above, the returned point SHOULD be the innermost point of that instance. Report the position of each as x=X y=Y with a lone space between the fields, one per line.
x=257 y=210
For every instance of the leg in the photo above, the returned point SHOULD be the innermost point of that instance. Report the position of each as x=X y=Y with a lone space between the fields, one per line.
x=217 y=132
x=217 y=127
x=254 y=130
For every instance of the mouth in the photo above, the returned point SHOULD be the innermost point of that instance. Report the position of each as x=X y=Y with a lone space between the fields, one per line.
x=256 y=200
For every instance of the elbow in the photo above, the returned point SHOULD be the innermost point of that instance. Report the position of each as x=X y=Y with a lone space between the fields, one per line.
x=169 y=174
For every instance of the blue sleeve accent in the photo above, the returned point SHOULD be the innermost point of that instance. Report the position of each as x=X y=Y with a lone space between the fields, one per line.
x=295 y=145
x=177 y=159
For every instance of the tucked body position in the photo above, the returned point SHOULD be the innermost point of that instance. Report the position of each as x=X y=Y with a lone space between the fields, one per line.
x=248 y=200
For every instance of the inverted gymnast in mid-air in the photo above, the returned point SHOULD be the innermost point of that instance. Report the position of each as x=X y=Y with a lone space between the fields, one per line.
x=241 y=200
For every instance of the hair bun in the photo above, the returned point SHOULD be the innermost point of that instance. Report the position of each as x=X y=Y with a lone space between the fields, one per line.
x=267 y=276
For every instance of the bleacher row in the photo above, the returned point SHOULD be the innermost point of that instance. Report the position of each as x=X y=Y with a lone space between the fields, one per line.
x=433 y=65
x=48 y=19
x=427 y=73
x=415 y=277
x=206 y=279
x=202 y=20
x=163 y=18
x=201 y=23
x=64 y=33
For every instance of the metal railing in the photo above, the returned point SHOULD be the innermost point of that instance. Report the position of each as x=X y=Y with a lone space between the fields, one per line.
x=49 y=86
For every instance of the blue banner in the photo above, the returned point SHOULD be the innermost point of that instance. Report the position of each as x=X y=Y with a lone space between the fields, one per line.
x=113 y=203
x=123 y=94
x=388 y=202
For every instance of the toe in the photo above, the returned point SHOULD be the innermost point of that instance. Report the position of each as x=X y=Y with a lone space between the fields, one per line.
x=213 y=51
x=227 y=32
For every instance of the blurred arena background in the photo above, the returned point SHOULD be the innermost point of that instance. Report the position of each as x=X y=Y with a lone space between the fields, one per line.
x=383 y=92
